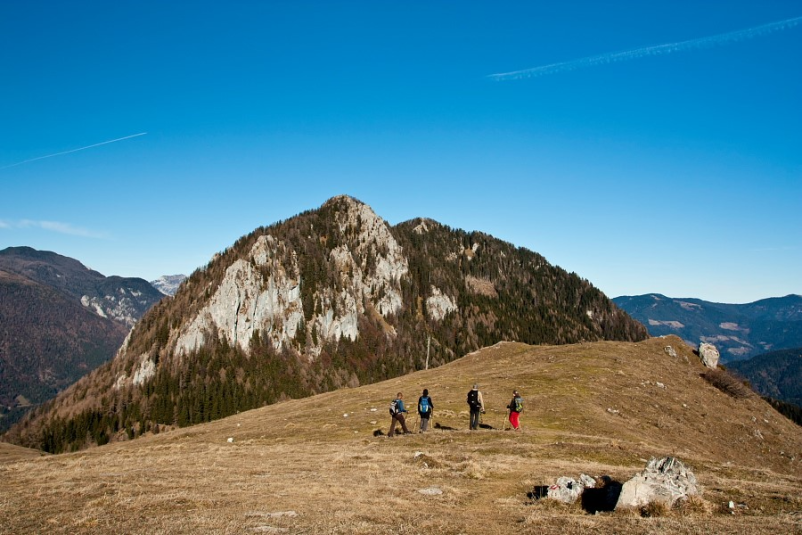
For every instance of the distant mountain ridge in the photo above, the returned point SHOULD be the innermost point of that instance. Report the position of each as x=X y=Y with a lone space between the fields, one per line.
x=739 y=331
x=332 y=297
x=168 y=284
x=59 y=320
x=122 y=299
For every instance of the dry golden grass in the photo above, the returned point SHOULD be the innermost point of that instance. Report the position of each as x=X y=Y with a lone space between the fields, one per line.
x=305 y=467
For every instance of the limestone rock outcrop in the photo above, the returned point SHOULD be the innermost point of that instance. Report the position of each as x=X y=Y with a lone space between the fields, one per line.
x=664 y=480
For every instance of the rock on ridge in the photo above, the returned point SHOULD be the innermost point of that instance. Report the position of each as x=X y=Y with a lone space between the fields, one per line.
x=709 y=355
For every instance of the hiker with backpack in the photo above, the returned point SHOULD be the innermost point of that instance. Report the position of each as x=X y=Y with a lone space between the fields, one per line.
x=425 y=409
x=476 y=405
x=397 y=411
x=516 y=407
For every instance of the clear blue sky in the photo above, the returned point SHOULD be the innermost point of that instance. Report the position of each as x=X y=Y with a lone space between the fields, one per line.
x=678 y=173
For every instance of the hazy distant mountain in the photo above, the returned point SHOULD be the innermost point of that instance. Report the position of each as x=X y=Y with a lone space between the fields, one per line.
x=777 y=374
x=58 y=321
x=739 y=331
x=168 y=284
x=332 y=297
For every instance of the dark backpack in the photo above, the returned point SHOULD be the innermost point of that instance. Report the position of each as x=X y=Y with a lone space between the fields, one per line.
x=394 y=407
x=424 y=407
x=473 y=399
x=517 y=404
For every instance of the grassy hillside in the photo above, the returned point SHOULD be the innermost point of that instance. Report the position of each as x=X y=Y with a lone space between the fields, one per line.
x=314 y=466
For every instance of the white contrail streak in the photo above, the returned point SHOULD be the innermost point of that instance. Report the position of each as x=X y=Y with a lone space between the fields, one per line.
x=657 y=50
x=74 y=150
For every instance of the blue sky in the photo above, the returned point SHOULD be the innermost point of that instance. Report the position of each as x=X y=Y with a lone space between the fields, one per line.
x=678 y=173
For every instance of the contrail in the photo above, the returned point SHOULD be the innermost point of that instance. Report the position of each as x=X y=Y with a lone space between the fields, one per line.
x=657 y=50
x=74 y=150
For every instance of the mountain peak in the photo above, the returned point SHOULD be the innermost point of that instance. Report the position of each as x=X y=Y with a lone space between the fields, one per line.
x=334 y=297
x=343 y=198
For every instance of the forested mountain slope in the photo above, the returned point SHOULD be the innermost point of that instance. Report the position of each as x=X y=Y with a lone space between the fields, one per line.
x=332 y=297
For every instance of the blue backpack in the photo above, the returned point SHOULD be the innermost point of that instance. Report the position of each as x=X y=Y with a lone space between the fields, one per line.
x=424 y=406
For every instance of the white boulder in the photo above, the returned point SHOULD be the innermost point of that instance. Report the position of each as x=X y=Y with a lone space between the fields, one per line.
x=709 y=355
x=664 y=480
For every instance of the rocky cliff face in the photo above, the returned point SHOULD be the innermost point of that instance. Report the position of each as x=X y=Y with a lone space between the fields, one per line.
x=329 y=298
x=262 y=292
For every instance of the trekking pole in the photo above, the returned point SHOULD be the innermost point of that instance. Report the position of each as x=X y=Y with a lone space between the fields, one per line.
x=506 y=419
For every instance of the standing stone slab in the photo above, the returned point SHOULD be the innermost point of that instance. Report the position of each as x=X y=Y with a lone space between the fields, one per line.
x=709 y=355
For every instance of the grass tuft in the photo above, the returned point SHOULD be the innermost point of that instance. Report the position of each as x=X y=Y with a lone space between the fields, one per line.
x=693 y=505
x=655 y=509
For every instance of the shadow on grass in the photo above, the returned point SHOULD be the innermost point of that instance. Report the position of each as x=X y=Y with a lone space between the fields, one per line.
x=594 y=500
x=603 y=498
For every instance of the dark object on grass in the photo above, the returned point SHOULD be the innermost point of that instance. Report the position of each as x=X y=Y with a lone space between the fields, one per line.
x=378 y=433
x=539 y=491
x=443 y=427
x=603 y=498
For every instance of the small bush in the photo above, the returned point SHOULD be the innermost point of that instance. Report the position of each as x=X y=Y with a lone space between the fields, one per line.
x=654 y=509
x=727 y=383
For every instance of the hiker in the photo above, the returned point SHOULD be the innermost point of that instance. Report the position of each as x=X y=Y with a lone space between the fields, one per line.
x=425 y=409
x=516 y=407
x=477 y=406
x=397 y=410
